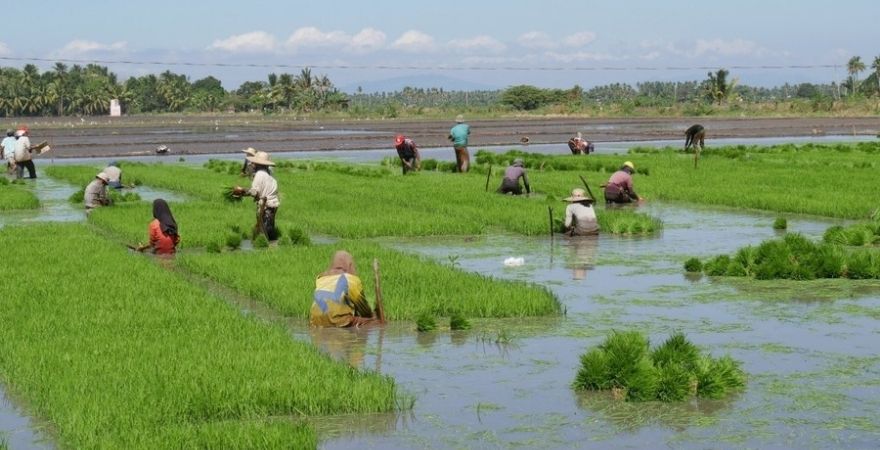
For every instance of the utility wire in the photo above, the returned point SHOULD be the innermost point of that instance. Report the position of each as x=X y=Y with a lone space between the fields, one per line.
x=432 y=68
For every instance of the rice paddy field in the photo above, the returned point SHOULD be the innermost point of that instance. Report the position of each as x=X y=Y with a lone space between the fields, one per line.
x=532 y=339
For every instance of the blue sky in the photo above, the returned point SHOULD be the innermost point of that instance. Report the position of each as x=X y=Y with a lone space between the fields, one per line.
x=593 y=36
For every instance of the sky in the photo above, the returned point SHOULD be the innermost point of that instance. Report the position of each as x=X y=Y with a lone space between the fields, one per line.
x=547 y=43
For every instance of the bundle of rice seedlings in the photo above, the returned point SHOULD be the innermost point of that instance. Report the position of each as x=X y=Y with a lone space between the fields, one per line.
x=229 y=195
x=693 y=265
x=261 y=241
x=233 y=241
x=213 y=247
x=780 y=223
x=717 y=266
x=296 y=236
x=425 y=322
x=458 y=322
x=676 y=350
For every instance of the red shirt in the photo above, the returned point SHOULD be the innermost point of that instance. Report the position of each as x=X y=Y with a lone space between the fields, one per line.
x=161 y=243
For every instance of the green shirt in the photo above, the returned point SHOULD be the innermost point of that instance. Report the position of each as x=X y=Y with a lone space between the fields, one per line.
x=460 y=134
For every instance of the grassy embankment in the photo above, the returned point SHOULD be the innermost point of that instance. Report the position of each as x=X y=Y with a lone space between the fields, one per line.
x=112 y=360
x=14 y=196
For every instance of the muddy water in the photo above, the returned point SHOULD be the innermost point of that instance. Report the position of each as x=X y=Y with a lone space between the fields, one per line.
x=16 y=428
x=812 y=363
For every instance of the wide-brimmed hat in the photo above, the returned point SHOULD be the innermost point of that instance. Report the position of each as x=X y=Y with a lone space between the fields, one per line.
x=459 y=119
x=261 y=159
x=10 y=132
x=579 y=135
x=103 y=176
x=250 y=151
x=630 y=165
x=518 y=162
x=578 y=195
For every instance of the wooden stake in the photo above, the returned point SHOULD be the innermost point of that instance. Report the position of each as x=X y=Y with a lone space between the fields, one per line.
x=588 y=188
x=380 y=308
x=550 y=214
x=487 y=178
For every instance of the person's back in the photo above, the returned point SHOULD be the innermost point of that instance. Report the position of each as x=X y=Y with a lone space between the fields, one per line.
x=8 y=145
x=95 y=193
x=582 y=217
x=22 y=148
x=460 y=133
x=510 y=182
x=264 y=186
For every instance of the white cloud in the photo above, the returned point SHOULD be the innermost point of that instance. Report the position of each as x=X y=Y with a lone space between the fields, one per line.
x=311 y=37
x=580 y=57
x=579 y=39
x=253 y=42
x=4 y=49
x=478 y=43
x=414 y=41
x=80 y=46
x=536 y=39
x=368 y=39
x=735 y=47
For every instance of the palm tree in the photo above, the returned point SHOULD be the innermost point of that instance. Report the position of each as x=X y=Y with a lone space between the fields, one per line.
x=855 y=66
x=60 y=86
x=876 y=66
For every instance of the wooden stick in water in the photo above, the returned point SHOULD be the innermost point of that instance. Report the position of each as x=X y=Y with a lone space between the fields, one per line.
x=589 y=191
x=550 y=214
x=380 y=308
x=487 y=178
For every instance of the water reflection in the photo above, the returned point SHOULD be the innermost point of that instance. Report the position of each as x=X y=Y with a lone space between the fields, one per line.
x=344 y=344
x=581 y=255
x=630 y=416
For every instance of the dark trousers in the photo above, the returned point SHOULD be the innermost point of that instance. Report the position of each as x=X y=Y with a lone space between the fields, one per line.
x=619 y=198
x=20 y=166
x=510 y=187
x=268 y=222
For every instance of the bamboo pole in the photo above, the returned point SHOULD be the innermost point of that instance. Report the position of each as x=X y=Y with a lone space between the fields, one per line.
x=380 y=308
x=550 y=215
x=589 y=191
x=489 y=174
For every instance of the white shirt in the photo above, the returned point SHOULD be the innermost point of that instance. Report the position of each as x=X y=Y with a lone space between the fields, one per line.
x=95 y=192
x=265 y=187
x=584 y=218
x=22 y=144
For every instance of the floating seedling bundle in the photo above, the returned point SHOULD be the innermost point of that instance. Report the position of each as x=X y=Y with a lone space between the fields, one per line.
x=625 y=365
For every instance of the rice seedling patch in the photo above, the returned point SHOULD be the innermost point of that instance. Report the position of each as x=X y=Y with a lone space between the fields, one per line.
x=14 y=197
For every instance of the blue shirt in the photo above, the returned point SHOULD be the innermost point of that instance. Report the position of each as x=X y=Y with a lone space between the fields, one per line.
x=8 y=146
x=460 y=134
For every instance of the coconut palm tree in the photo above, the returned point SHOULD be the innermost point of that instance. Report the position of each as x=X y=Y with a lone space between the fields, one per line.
x=876 y=66
x=855 y=66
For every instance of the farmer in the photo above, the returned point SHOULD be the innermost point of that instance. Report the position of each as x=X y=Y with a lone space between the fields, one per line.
x=510 y=183
x=459 y=137
x=339 y=295
x=264 y=190
x=23 y=159
x=580 y=218
x=115 y=173
x=410 y=160
x=695 y=135
x=580 y=146
x=247 y=169
x=619 y=188
x=95 y=195
x=8 y=150
x=162 y=230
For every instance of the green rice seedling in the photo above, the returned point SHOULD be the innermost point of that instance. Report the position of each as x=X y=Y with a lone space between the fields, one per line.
x=14 y=197
x=425 y=322
x=260 y=241
x=595 y=373
x=716 y=378
x=835 y=235
x=673 y=383
x=459 y=322
x=861 y=265
x=676 y=350
x=214 y=247
x=296 y=236
x=228 y=194
x=717 y=266
x=693 y=265
x=233 y=241
x=781 y=223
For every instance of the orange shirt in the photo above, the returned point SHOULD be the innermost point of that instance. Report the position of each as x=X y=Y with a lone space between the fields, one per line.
x=162 y=244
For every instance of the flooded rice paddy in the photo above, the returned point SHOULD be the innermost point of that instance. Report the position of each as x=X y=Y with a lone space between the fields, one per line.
x=809 y=348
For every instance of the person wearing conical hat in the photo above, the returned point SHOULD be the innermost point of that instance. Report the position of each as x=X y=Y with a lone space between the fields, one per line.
x=95 y=194
x=408 y=152
x=580 y=146
x=115 y=174
x=247 y=169
x=510 y=183
x=264 y=190
x=459 y=137
x=580 y=217
x=619 y=188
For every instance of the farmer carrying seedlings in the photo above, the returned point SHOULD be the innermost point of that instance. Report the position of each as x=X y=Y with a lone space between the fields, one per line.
x=95 y=195
x=339 y=295
x=580 y=146
x=510 y=183
x=162 y=230
x=580 y=218
x=459 y=137
x=408 y=152
x=264 y=190
x=115 y=174
x=619 y=188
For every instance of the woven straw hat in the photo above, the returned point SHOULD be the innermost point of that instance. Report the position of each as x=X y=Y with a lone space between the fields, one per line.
x=261 y=158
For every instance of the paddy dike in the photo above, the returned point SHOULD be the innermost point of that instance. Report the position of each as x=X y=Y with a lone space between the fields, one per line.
x=194 y=135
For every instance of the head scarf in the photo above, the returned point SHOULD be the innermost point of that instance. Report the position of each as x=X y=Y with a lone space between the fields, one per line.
x=342 y=262
x=162 y=213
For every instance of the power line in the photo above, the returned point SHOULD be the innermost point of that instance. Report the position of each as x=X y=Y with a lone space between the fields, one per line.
x=431 y=68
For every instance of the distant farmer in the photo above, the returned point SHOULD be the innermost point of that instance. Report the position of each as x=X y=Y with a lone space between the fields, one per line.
x=23 y=159
x=115 y=174
x=580 y=146
x=264 y=190
x=695 y=135
x=8 y=149
x=247 y=169
x=619 y=188
x=410 y=160
x=510 y=183
x=162 y=230
x=339 y=299
x=459 y=137
x=580 y=218
x=95 y=195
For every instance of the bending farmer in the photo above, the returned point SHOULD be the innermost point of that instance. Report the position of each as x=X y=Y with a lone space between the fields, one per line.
x=95 y=195
x=619 y=188
x=580 y=146
x=510 y=183
x=162 y=230
x=339 y=295
x=459 y=137
x=580 y=218
x=410 y=160
x=264 y=190
x=695 y=135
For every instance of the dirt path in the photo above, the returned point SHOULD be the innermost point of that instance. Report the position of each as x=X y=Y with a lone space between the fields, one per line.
x=230 y=133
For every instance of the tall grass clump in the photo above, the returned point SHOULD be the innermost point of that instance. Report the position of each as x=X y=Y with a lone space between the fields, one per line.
x=673 y=371
x=857 y=235
x=15 y=197
x=781 y=223
x=626 y=222
x=165 y=364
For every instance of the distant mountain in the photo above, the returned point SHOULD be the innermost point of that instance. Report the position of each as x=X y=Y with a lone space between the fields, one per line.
x=417 y=81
